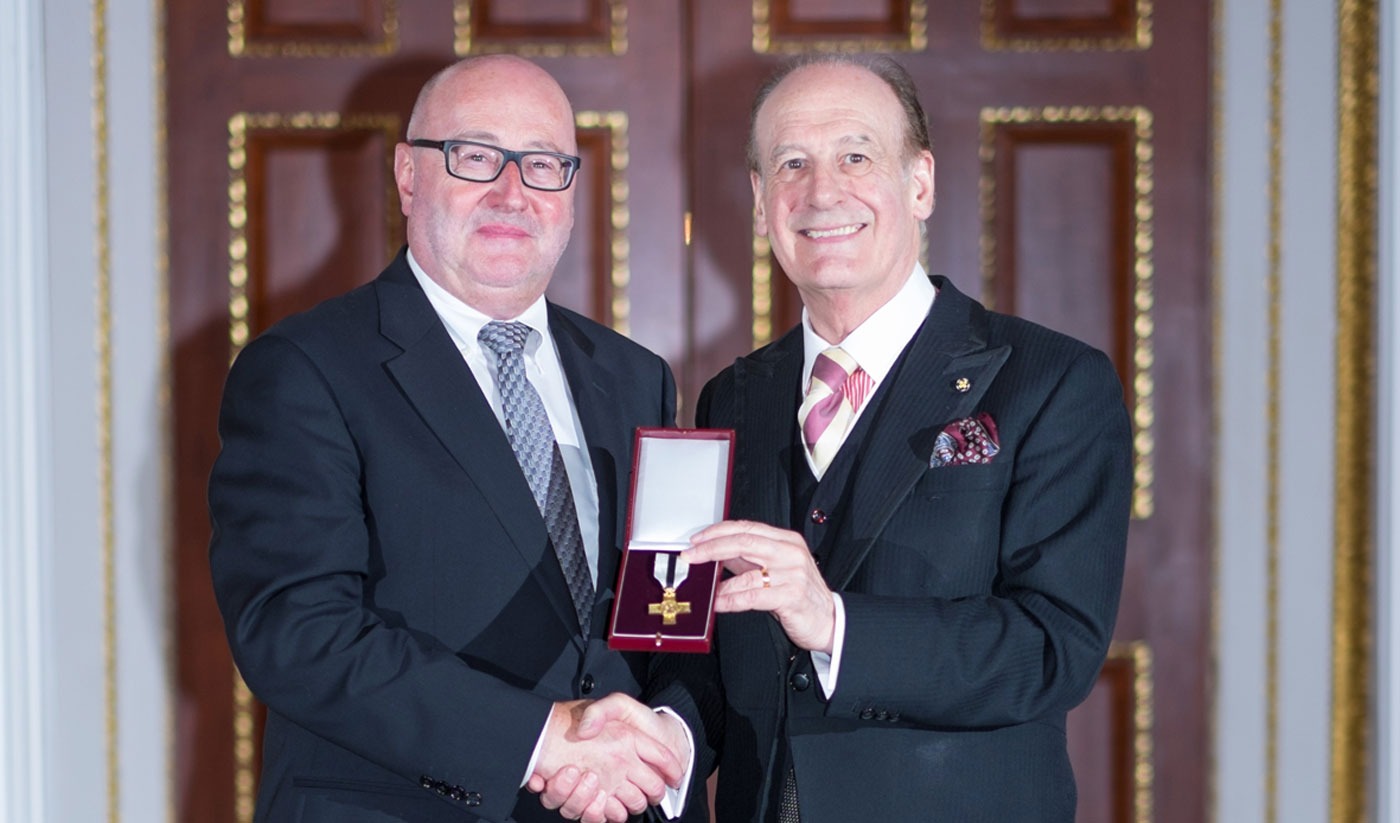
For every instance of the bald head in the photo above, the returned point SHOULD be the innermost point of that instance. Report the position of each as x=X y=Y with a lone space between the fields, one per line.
x=503 y=72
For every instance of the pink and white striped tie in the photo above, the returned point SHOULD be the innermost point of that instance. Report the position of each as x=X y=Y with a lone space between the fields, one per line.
x=838 y=389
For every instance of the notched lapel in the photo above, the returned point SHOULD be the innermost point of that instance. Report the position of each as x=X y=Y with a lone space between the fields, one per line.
x=595 y=388
x=942 y=377
x=766 y=386
x=440 y=386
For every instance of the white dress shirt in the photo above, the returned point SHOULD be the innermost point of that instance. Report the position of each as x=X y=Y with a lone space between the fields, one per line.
x=546 y=374
x=875 y=345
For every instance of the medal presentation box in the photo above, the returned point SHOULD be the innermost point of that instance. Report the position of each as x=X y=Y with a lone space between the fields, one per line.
x=680 y=485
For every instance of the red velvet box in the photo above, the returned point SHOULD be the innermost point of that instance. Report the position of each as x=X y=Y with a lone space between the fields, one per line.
x=680 y=485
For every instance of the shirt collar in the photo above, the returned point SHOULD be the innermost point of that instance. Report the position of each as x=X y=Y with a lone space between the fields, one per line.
x=877 y=343
x=464 y=322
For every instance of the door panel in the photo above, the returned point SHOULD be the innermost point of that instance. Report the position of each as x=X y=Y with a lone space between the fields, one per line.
x=1071 y=139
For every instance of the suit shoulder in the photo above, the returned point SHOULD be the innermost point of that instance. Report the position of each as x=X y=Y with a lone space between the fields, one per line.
x=613 y=343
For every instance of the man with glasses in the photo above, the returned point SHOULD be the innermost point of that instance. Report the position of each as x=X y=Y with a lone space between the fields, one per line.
x=417 y=503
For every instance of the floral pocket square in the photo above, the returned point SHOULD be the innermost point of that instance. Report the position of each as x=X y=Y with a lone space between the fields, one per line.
x=966 y=441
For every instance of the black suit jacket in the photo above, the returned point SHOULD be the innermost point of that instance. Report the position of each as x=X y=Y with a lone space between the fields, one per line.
x=980 y=599
x=386 y=580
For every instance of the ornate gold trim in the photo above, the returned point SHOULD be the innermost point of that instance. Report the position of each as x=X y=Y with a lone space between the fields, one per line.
x=1274 y=283
x=765 y=43
x=762 y=291
x=1139 y=40
x=1144 y=774
x=239 y=125
x=464 y=44
x=106 y=455
x=619 y=216
x=1357 y=114
x=240 y=46
x=1143 y=385
x=1217 y=357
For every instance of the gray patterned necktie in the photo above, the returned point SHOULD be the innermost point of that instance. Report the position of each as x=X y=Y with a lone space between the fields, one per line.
x=787 y=806
x=532 y=439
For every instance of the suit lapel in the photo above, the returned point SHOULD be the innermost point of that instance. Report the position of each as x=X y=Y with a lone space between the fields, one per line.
x=596 y=393
x=440 y=386
x=924 y=396
x=766 y=386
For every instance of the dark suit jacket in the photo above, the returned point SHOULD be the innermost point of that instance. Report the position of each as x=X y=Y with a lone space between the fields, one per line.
x=385 y=578
x=979 y=599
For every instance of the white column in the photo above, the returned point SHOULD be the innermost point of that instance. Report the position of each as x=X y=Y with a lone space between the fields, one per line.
x=25 y=507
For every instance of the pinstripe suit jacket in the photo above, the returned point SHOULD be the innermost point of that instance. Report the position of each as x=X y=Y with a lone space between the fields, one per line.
x=980 y=599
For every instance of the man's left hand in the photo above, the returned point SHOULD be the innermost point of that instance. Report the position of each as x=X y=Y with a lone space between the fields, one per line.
x=773 y=572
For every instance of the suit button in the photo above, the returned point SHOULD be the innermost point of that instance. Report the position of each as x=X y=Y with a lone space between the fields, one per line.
x=586 y=685
x=894 y=717
x=441 y=788
x=867 y=714
x=819 y=517
x=801 y=682
x=458 y=793
x=425 y=781
x=882 y=715
x=473 y=798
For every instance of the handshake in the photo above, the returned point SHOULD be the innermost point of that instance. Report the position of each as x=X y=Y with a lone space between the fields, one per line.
x=607 y=759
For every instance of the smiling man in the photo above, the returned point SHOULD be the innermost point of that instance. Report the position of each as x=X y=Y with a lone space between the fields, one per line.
x=416 y=506
x=931 y=502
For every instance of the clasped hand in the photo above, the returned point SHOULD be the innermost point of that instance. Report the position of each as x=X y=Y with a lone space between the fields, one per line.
x=605 y=760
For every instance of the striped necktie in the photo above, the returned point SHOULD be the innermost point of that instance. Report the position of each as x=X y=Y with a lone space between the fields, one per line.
x=532 y=439
x=838 y=389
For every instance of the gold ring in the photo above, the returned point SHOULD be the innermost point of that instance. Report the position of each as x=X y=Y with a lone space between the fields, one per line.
x=767 y=582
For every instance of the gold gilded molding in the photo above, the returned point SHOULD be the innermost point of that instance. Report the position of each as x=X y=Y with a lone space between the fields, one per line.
x=1217 y=358
x=1142 y=324
x=240 y=46
x=239 y=125
x=1139 y=654
x=762 y=291
x=465 y=41
x=764 y=41
x=1273 y=391
x=1139 y=40
x=1357 y=170
x=619 y=217
x=106 y=456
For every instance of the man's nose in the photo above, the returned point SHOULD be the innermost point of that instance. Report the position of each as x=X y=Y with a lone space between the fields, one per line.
x=825 y=185
x=509 y=188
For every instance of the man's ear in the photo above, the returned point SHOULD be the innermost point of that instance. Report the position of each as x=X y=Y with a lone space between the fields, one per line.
x=760 y=221
x=403 y=176
x=921 y=185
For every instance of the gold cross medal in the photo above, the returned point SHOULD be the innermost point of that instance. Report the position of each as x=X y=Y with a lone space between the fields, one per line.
x=670 y=571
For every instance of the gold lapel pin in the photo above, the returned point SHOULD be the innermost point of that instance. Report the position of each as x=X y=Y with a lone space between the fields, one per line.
x=963 y=385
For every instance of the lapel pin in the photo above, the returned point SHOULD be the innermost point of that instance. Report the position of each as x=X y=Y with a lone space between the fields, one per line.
x=963 y=385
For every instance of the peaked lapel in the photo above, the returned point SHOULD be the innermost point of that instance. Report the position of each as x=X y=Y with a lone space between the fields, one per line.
x=597 y=390
x=766 y=387
x=921 y=400
x=442 y=389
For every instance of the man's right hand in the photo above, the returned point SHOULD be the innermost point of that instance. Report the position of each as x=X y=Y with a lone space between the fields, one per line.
x=604 y=760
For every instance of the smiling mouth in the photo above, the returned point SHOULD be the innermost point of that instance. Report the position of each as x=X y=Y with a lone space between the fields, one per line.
x=822 y=234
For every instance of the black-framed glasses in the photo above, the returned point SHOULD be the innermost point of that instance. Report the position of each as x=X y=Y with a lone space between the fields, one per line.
x=483 y=163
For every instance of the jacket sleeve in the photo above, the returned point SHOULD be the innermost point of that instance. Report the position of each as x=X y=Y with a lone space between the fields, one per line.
x=1032 y=644
x=290 y=558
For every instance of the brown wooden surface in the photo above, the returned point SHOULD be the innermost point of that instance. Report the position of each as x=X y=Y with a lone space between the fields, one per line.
x=322 y=217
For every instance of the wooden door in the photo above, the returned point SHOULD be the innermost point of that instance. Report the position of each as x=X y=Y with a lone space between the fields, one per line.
x=1071 y=138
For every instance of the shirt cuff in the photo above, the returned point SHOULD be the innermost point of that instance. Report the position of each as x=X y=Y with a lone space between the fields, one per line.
x=535 y=755
x=828 y=666
x=674 y=802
